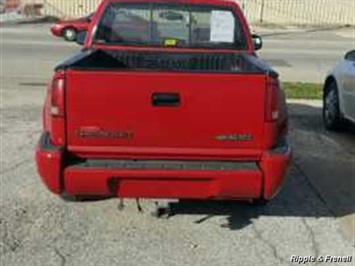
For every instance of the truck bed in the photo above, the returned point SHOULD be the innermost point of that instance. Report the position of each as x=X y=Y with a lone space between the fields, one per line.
x=167 y=61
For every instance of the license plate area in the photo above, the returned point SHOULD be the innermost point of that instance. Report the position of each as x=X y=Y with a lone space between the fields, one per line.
x=167 y=188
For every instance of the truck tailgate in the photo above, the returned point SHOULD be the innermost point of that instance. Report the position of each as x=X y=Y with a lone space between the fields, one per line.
x=151 y=113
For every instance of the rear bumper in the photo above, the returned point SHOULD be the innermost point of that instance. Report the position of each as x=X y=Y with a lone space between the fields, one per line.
x=274 y=165
x=195 y=180
x=49 y=161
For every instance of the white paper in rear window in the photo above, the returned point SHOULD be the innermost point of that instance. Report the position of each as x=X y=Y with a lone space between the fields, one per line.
x=222 y=26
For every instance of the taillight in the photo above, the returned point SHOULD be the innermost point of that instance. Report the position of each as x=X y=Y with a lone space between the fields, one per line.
x=272 y=105
x=55 y=123
x=57 y=94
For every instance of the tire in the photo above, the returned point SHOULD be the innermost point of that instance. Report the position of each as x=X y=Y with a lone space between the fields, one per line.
x=331 y=110
x=69 y=34
x=260 y=202
x=69 y=198
x=75 y=198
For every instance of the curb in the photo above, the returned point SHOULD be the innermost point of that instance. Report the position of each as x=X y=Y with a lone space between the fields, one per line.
x=315 y=103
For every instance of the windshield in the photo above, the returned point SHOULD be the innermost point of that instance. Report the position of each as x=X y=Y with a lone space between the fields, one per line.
x=170 y=25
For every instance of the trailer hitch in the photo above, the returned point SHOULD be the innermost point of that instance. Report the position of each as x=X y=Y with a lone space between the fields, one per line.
x=162 y=208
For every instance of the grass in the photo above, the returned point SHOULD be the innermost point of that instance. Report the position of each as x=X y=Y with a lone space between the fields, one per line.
x=300 y=90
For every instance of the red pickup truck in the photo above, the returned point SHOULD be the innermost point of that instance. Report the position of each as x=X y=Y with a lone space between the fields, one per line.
x=167 y=100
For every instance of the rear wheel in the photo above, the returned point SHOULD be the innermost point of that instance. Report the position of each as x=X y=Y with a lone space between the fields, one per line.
x=75 y=198
x=331 y=109
x=68 y=197
x=260 y=202
x=69 y=34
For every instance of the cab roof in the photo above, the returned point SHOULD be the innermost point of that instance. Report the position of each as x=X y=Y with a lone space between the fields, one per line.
x=201 y=2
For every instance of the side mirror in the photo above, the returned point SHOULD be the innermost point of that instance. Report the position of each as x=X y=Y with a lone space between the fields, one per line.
x=90 y=17
x=80 y=37
x=257 y=42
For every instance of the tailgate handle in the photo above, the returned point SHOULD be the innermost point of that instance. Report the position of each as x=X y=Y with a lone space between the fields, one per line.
x=165 y=99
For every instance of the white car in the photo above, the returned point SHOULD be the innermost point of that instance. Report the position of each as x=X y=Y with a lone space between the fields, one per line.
x=339 y=93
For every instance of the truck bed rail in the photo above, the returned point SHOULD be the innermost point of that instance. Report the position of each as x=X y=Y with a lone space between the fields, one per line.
x=167 y=61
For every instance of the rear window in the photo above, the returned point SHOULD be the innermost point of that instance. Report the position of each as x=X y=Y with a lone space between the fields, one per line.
x=170 y=25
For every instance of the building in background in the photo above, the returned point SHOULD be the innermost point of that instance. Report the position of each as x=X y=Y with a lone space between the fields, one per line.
x=300 y=12
x=271 y=12
x=65 y=8
x=9 y=5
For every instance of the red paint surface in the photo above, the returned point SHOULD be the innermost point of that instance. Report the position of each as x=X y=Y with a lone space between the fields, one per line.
x=274 y=168
x=164 y=184
x=211 y=105
x=49 y=168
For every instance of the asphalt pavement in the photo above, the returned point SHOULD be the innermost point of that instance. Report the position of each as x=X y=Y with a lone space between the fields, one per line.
x=305 y=55
x=298 y=55
x=312 y=216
